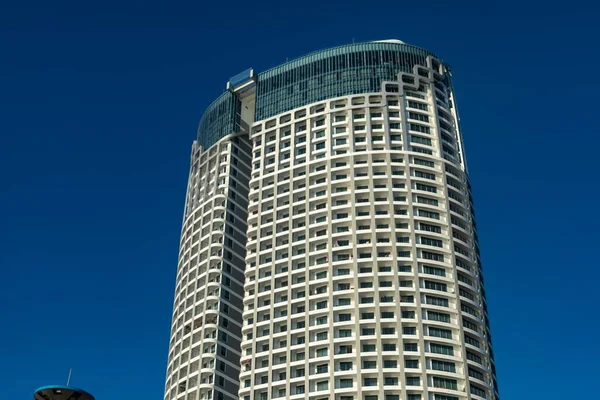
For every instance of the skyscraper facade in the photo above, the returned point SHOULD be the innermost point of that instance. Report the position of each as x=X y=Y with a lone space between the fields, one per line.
x=329 y=248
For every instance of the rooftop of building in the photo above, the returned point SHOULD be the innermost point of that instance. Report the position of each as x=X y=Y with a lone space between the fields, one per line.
x=332 y=72
x=59 y=392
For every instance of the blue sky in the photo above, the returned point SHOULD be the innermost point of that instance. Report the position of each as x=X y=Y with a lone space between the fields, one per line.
x=99 y=106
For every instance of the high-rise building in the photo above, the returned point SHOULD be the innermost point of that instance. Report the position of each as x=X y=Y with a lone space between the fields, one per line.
x=329 y=248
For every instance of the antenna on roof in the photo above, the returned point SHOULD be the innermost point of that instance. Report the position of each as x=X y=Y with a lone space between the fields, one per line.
x=352 y=40
x=69 y=377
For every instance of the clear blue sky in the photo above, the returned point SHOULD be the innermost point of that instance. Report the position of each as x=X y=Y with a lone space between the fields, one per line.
x=99 y=104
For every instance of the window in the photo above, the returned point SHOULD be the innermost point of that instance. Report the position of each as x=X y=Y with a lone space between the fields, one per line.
x=474 y=357
x=419 y=128
x=322 y=352
x=413 y=381
x=469 y=325
x=426 y=175
x=442 y=287
x=464 y=279
x=344 y=317
x=370 y=382
x=410 y=347
x=427 y=188
x=411 y=363
x=437 y=316
x=476 y=374
x=418 y=117
x=443 y=366
x=346 y=383
x=223 y=336
x=420 y=161
x=427 y=200
x=436 y=301
x=434 y=270
x=439 y=332
x=431 y=242
x=369 y=364
x=345 y=350
x=468 y=310
x=407 y=299
x=322 y=369
x=428 y=255
x=445 y=383
x=472 y=341
x=409 y=330
x=390 y=381
x=477 y=391
x=441 y=349
x=345 y=366
x=367 y=348
x=420 y=106
x=323 y=385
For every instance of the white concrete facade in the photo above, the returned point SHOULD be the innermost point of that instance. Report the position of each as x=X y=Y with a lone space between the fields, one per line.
x=204 y=350
x=362 y=277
